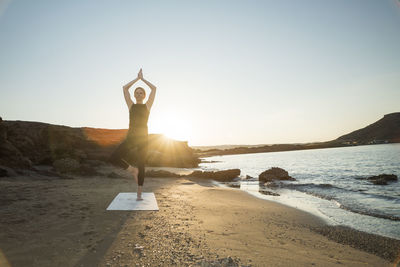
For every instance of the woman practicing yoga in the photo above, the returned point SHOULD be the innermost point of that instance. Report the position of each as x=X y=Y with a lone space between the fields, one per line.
x=134 y=147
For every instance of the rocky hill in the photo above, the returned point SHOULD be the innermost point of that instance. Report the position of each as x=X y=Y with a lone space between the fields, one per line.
x=385 y=130
x=24 y=144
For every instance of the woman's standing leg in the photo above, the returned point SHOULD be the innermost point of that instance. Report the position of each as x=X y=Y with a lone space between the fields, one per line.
x=140 y=179
x=141 y=166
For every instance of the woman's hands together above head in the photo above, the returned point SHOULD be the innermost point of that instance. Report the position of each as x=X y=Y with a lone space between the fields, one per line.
x=140 y=74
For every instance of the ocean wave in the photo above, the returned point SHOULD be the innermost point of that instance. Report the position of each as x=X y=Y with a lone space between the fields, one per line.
x=369 y=212
x=307 y=186
x=347 y=199
x=333 y=189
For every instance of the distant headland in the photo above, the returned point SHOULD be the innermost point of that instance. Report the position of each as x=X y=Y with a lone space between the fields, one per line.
x=385 y=130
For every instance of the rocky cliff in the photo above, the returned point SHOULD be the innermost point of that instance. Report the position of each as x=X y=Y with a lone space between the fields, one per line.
x=385 y=130
x=24 y=144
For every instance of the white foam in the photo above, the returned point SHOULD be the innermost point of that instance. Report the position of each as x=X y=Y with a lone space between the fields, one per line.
x=127 y=201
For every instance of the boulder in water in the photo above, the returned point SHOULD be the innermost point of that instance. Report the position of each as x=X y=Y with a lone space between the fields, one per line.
x=274 y=173
x=382 y=179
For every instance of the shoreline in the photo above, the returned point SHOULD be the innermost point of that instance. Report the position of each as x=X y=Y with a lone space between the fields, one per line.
x=333 y=215
x=64 y=222
x=334 y=184
x=343 y=234
x=313 y=205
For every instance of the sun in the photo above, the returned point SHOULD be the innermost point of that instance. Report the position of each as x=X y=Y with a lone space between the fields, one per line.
x=176 y=132
x=173 y=128
x=173 y=124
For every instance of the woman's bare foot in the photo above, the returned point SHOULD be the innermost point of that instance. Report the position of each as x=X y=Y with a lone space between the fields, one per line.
x=139 y=193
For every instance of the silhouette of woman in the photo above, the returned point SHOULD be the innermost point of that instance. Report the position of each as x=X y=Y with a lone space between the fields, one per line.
x=134 y=147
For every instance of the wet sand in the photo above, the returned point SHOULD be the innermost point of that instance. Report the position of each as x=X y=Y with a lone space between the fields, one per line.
x=48 y=221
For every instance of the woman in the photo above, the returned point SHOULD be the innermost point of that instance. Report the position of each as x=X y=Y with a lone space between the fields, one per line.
x=135 y=143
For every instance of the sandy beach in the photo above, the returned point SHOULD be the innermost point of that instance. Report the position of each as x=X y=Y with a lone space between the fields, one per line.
x=48 y=221
x=267 y=131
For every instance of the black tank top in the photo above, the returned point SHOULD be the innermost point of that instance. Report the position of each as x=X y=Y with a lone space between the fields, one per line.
x=138 y=117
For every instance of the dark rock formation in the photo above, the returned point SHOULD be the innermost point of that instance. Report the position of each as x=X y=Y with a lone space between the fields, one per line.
x=72 y=166
x=223 y=176
x=24 y=144
x=381 y=179
x=3 y=131
x=43 y=143
x=384 y=130
x=274 y=173
x=66 y=165
x=167 y=152
x=10 y=155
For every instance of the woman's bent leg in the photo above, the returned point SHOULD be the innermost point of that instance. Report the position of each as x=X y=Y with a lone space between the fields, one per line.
x=117 y=157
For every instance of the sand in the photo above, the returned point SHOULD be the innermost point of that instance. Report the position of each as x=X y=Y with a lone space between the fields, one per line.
x=48 y=221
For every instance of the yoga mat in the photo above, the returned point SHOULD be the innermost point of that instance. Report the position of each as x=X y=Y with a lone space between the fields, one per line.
x=127 y=201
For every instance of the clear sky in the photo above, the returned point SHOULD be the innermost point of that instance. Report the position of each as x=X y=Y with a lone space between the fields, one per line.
x=227 y=72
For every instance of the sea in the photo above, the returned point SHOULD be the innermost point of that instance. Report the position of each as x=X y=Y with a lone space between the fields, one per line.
x=329 y=183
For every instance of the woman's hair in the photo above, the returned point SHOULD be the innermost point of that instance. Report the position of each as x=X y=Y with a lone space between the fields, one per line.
x=141 y=88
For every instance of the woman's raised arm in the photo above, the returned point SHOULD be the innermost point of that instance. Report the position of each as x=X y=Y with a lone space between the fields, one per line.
x=127 y=95
x=150 y=101
x=128 y=85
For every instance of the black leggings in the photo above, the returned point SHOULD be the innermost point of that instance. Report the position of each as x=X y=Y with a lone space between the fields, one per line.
x=132 y=151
